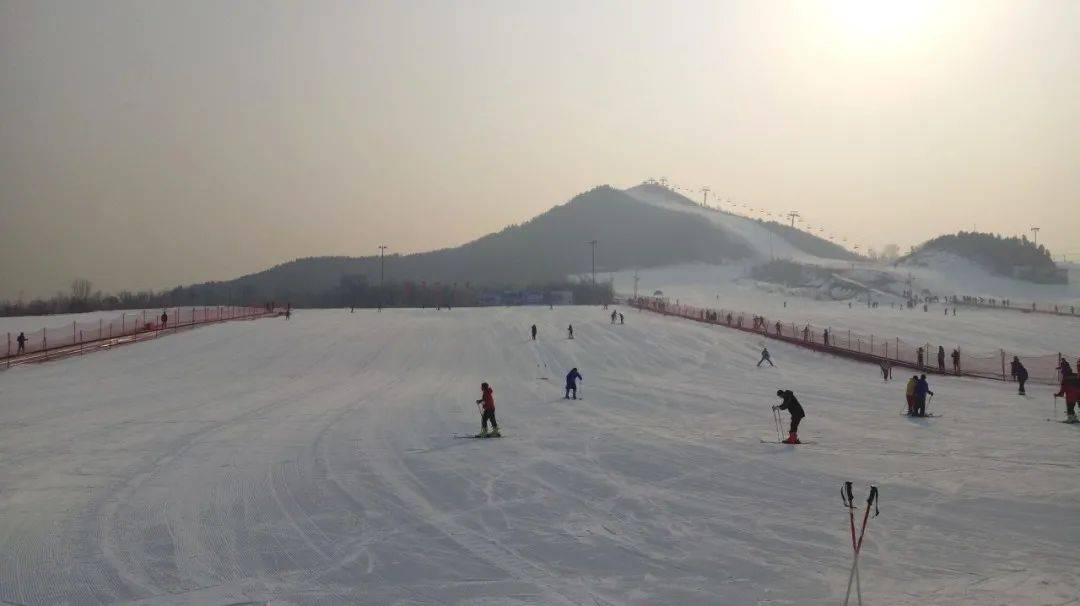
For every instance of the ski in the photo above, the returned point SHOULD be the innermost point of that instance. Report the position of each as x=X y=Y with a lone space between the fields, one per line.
x=1065 y=422
x=479 y=437
x=764 y=441
x=926 y=416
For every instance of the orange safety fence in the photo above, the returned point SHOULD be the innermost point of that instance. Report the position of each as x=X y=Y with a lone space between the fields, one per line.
x=924 y=357
x=127 y=324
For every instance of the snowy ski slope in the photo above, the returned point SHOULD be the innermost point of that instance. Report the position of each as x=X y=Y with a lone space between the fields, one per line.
x=973 y=329
x=314 y=461
x=763 y=243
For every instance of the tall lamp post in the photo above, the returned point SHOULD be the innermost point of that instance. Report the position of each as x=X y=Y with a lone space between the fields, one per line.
x=592 y=243
x=382 y=274
x=1035 y=236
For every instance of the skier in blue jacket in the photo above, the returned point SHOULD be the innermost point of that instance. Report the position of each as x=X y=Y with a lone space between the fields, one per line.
x=571 y=383
x=921 y=389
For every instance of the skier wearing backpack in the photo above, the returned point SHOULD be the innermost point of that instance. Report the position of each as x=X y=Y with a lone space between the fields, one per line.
x=1070 y=388
x=791 y=404
x=571 y=383
x=487 y=399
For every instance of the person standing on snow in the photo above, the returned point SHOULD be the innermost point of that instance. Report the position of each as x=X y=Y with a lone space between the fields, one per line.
x=941 y=358
x=791 y=404
x=886 y=370
x=570 y=331
x=910 y=393
x=1070 y=388
x=571 y=383
x=21 y=340
x=921 y=389
x=534 y=332
x=1063 y=368
x=622 y=319
x=765 y=358
x=1019 y=373
x=614 y=315
x=956 y=361
x=164 y=319
x=487 y=399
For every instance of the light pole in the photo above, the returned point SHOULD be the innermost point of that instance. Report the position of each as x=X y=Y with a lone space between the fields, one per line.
x=1035 y=236
x=382 y=274
x=793 y=215
x=592 y=243
x=705 y=190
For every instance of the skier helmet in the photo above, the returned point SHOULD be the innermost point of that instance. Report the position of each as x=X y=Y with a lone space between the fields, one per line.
x=780 y=392
x=483 y=386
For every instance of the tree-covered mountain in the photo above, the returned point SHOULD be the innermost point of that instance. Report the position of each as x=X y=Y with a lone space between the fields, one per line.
x=1012 y=256
x=548 y=248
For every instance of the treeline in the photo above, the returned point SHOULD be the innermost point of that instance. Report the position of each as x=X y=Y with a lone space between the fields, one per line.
x=809 y=243
x=999 y=255
x=82 y=299
x=351 y=291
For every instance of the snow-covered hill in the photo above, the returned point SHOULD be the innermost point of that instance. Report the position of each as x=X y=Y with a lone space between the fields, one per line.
x=762 y=241
x=315 y=461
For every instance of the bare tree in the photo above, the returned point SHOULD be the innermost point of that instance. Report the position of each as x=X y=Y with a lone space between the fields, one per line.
x=80 y=289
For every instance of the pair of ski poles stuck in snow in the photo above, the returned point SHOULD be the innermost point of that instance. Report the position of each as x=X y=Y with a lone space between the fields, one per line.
x=856 y=545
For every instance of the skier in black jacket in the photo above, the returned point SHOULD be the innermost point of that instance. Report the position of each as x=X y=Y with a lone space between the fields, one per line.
x=572 y=378
x=791 y=404
x=1019 y=373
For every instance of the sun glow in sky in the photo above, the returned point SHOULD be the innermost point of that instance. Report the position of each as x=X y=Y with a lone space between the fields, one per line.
x=223 y=138
x=877 y=23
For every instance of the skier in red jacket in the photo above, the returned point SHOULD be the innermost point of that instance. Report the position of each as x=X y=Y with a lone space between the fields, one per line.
x=488 y=412
x=1070 y=388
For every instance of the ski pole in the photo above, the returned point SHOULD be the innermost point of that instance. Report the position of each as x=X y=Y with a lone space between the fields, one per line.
x=849 y=502
x=871 y=500
x=1055 y=407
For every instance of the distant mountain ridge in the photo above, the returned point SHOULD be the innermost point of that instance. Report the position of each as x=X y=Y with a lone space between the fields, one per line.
x=549 y=247
x=644 y=226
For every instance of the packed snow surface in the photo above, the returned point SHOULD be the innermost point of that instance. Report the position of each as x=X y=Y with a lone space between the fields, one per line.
x=317 y=461
x=971 y=329
x=763 y=243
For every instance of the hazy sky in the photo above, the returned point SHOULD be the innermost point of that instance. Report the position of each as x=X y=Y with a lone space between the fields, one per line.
x=149 y=144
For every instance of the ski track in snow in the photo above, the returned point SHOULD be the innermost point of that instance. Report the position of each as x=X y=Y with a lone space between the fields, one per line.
x=314 y=461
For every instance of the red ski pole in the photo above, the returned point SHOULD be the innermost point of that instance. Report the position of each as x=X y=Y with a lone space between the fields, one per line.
x=870 y=501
